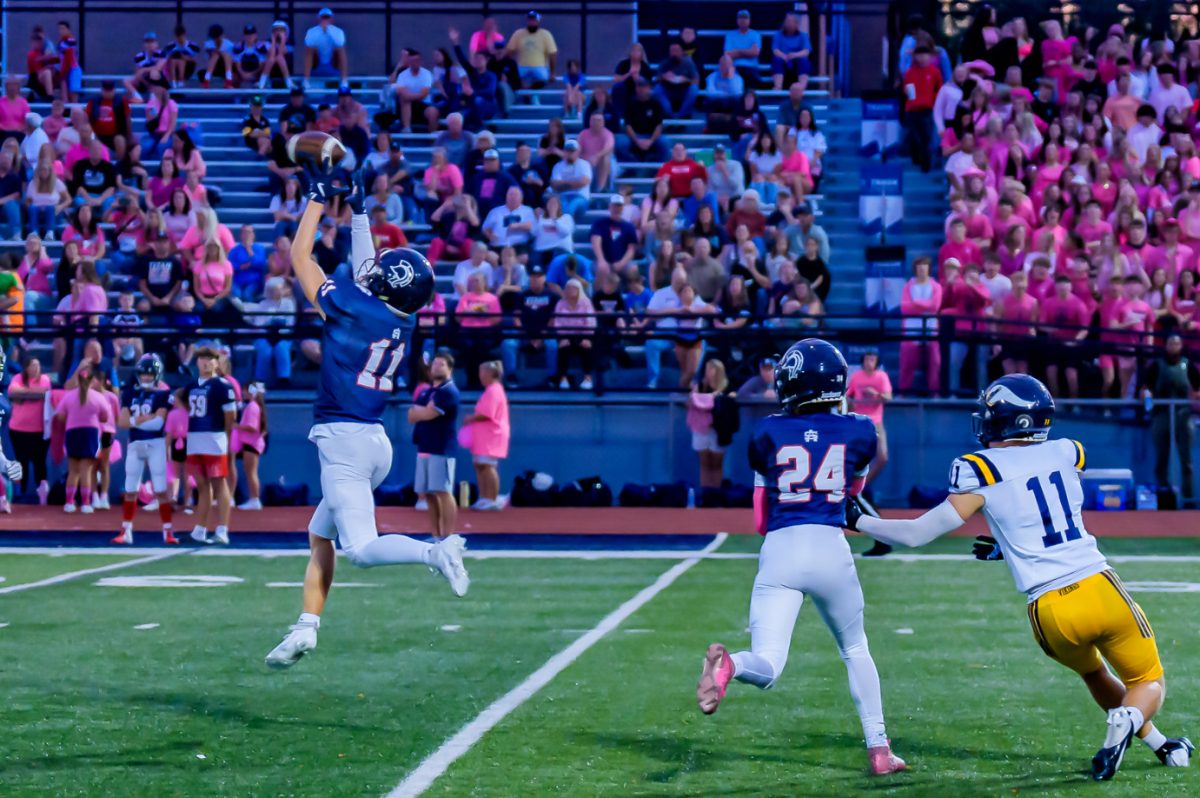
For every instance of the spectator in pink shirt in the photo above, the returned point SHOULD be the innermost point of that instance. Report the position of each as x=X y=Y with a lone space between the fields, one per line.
x=1068 y=318
x=958 y=246
x=84 y=409
x=205 y=230
x=1184 y=305
x=250 y=441
x=920 y=303
x=1019 y=313
x=1092 y=228
x=1005 y=220
x=86 y=232
x=487 y=39
x=27 y=424
x=1040 y=284
x=1013 y=252
x=701 y=402
x=793 y=169
x=1172 y=255
x=964 y=299
x=478 y=317
x=575 y=320
x=13 y=108
x=1111 y=312
x=442 y=178
x=868 y=390
x=487 y=433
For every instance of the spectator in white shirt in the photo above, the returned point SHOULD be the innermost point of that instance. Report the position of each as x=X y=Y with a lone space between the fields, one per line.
x=1137 y=82
x=480 y=262
x=511 y=224
x=948 y=98
x=726 y=178
x=571 y=179
x=325 y=49
x=1169 y=94
x=31 y=145
x=1145 y=133
x=412 y=87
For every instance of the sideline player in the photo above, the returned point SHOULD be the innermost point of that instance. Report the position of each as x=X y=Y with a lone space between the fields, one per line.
x=1028 y=488
x=369 y=317
x=801 y=458
x=212 y=407
x=144 y=407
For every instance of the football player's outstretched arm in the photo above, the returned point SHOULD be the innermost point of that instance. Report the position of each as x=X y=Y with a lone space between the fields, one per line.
x=946 y=517
x=319 y=190
x=362 y=243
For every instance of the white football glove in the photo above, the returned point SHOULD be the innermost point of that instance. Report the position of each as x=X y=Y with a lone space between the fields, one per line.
x=14 y=470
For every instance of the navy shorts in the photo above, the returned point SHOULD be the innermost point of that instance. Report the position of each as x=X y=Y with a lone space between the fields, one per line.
x=83 y=443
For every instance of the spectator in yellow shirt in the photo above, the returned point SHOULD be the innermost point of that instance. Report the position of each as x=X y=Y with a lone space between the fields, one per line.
x=535 y=52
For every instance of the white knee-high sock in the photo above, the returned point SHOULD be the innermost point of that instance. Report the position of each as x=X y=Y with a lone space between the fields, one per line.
x=864 y=689
x=753 y=669
x=391 y=550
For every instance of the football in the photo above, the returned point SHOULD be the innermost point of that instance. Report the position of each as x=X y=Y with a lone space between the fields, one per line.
x=317 y=148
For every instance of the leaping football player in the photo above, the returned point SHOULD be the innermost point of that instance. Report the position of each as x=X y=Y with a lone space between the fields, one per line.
x=1082 y=616
x=369 y=314
x=801 y=458
x=144 y=407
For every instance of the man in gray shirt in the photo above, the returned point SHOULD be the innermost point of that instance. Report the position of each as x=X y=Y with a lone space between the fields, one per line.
x=804 y=229
x=455 y=141
x=677 y=81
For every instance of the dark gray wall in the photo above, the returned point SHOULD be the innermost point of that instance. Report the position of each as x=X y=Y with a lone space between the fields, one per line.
x=650 y=443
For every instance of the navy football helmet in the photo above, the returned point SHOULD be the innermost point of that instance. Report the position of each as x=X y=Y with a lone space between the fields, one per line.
x=1014 y=407
x=402 y=278
x=811 y=371
x=149 y=365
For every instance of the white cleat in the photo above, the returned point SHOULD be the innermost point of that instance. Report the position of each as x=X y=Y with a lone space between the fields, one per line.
x=301 y=639
x=253 y=504
x=221 y=536
x=69 y=508
x=448 y=559
x=199 y=536
x=87 y=509
x=101 y=503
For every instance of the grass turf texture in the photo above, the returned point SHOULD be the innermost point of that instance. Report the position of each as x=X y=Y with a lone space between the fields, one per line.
x=95 y=707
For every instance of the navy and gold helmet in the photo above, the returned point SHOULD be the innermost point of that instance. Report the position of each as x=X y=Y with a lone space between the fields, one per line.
x=1014 y=407
x=811 y=371
x=402 y=278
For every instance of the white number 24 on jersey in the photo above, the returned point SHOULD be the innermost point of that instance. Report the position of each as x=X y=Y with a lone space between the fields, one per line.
x=830 y=477
x=370 y=376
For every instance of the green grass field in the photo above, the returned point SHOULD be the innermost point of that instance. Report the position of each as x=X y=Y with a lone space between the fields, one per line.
x=96 y=707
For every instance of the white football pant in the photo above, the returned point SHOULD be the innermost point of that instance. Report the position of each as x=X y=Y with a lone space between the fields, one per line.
x=140 y=455
x=812 y=560
x=356 y=459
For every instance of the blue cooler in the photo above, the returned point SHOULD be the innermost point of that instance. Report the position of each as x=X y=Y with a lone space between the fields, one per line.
x=1107 y=489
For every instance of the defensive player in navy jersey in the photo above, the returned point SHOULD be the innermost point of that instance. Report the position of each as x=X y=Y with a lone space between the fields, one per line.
x=212 y=408
x=144 y=407
x=369 y=314
x=806 y=460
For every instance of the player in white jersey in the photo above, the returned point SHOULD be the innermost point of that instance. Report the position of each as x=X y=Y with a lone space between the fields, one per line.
x=1029 y=490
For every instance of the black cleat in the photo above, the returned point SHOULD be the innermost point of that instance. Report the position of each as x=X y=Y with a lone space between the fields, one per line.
x=1176 y=752
x=878 y=550
x=1107 y=760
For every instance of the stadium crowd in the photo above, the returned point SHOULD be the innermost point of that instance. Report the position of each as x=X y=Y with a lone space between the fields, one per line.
x=1074 y=192
x=119 y=178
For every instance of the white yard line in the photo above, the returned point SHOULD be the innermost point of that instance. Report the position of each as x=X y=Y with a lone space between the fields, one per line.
x=67 y=577
x=436 y=763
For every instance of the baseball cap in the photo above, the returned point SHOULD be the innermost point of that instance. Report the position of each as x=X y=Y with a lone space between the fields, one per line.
x=571 y=145
x=297 y=91
x=490 y=154
x=536 y=269
x=256 y=101
x=279 y=24
x=150 y=37
x=616 y=199
x=325 y=12
x=767 y=362
x=745 y=12
x=533 y=15
x=344 y=90
x=108 y=85
x=719 y=148
x=804 y=208
x=395 y=145
x=249 y=28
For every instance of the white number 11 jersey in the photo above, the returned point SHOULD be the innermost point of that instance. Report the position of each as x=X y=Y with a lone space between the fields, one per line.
x=1033 y=502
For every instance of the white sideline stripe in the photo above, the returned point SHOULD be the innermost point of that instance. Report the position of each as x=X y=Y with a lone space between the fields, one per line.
x=421 y=779
x=67 y=577
x=536 y=554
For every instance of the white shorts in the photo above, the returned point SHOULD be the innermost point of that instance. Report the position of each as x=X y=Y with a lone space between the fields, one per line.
x=207 y=443
x=150 y=453
x=355 y=459
x=706 y=442
x=435 y=474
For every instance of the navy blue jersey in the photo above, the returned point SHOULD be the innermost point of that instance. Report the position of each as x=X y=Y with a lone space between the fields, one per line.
x=806 y=463
x=364 y=344
x=141 y=401
x=207 y=402
x=437 y=435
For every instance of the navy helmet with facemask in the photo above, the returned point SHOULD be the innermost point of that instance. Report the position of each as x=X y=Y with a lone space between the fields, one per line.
x=1014 y=407
x=401 y=277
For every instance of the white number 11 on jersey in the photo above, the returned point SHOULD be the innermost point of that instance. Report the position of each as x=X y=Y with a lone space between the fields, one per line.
x=370 y=377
